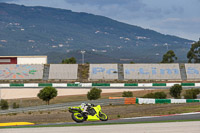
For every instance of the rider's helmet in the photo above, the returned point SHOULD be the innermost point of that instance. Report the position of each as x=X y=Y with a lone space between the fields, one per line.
x=83 y=105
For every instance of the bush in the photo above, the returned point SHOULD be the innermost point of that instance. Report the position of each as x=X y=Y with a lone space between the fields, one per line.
x=191 y=94
x=156 y=95
x=15 y=105
x=127 y=94
x=47 y=93
x=160 y=95
x=175 y=91
x=94 y=94
x=149 y=95
x=4 y=104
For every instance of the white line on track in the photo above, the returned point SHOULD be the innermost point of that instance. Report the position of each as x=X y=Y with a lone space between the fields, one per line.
x=146 y=117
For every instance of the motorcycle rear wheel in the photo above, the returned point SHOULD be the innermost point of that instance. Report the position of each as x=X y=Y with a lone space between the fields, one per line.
x=103 y=117
x=77 y=117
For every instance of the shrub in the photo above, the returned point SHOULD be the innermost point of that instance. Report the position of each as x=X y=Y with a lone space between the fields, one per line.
x=149 y=95
x=94 y=94
x=156 y=95
x=4 y=104
x=15 y=105
x=47 y=93
x=191 y=94
x=175 y=91
x=127 y=94
x=160 y=95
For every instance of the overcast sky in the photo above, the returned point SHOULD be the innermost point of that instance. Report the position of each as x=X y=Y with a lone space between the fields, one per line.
x=175 y=17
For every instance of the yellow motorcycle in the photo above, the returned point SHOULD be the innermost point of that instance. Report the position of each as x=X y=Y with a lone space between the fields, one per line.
x=93 y=114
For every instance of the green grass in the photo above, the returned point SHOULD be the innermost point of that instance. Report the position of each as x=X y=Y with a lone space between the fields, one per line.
x=98 y=124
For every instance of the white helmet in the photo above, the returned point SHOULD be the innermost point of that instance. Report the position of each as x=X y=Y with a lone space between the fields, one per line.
x=82 y=105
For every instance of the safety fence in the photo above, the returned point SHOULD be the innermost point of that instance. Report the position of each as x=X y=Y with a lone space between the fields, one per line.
x=154 y=101
x=97 y=84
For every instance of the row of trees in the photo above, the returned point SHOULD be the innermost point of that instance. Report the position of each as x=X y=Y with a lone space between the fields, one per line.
x=169 y=57
x=193 y=55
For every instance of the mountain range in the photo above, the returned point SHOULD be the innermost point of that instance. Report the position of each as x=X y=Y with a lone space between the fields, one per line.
x=60 y=33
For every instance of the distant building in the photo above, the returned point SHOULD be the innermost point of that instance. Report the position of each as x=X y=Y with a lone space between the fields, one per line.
x=23 y=59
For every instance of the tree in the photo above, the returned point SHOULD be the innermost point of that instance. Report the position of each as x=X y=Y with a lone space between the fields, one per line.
x=132 y=62
x=194 y=54
x=127 y=94
x=175 y=91
x=71 y=60
x=94 y=94
x=169 y=57
x=4 y=104
x=47 y=93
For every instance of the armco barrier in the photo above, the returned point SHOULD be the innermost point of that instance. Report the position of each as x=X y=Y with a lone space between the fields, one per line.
x=43 y=85
x=188 y=84
x=159 y=84
x=162 y=101
x=16 y=85
x=98 y=84
x=117 y=85
x=59 y=85
x=131 y=84
x=30 y=85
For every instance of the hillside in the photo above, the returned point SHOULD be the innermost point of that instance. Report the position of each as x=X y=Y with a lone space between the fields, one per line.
x=41 y=30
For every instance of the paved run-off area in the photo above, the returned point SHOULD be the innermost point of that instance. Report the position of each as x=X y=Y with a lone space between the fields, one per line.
x=172 y=127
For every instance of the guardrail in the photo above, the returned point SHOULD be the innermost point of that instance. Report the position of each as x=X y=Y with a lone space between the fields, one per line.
x=63 y=106
x=27 y=85
x=155 y=101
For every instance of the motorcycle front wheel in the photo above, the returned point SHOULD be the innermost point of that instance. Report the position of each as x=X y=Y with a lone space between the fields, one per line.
x=77 y=117
x=103 y=117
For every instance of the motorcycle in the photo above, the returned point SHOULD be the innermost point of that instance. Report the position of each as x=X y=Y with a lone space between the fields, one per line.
x=93 y=114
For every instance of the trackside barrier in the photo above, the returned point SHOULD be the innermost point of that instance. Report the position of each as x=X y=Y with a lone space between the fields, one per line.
x=30 y=85
x=130 y=100
x=161 y=101
x=44 y=85
x=131 y=84
x=59 y=85
x=86 y=84
x=171 y=84
x=145 y=84
x=197 y=84
x=98 y=84
x=4 y=85
x=146 y=101
x=16 y=85
x=117 y=85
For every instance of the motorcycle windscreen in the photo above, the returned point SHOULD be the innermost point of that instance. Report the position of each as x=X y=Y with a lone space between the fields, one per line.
x=93 y=118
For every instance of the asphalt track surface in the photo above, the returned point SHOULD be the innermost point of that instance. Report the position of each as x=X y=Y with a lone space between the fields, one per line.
x=173 y=117
x=172 y=127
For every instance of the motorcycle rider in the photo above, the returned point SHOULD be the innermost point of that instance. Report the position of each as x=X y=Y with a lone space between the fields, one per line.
x=85 y=106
